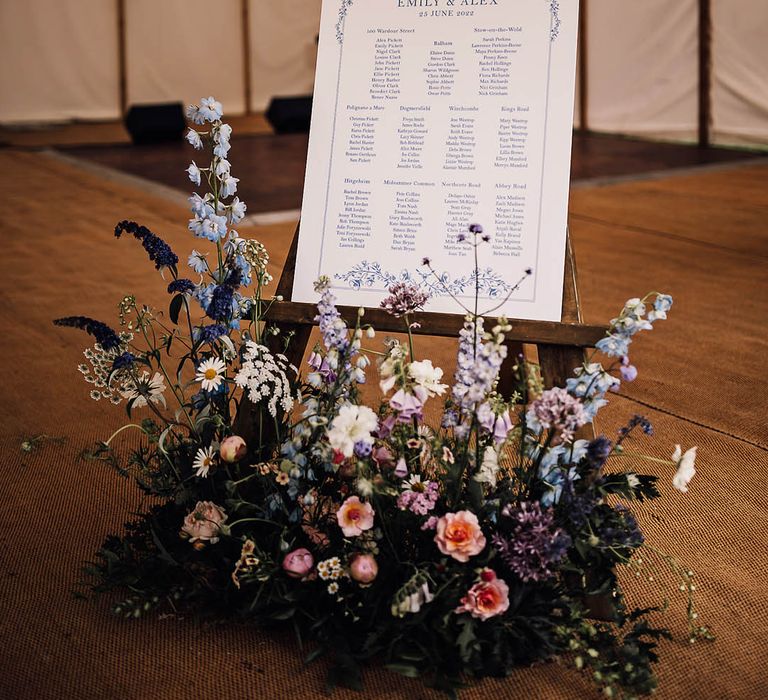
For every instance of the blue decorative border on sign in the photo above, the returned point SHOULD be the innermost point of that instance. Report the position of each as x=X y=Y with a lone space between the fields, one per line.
x=554 y=10
x=345 y=4
x=371 y=275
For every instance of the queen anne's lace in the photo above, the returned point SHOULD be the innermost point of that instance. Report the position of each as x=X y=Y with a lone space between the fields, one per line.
x=265 y=376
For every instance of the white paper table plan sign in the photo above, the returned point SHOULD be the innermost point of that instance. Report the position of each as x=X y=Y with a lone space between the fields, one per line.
x=428 y=116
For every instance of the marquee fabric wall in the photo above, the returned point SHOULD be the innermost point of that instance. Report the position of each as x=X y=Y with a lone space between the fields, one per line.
x=59 y=60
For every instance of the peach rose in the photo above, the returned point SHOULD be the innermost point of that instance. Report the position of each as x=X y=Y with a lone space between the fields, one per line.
x=363 y=569
x=298 y=563
x=233 y=449
x=459 y=535
x=203 y=523
x=355 y=517
x=487 y=598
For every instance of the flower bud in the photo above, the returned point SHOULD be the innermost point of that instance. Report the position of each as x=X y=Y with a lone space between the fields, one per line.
x=363 y=569
x=233 y=449
x=298 y=563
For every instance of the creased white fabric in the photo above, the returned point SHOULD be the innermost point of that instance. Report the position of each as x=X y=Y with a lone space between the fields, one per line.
x=740 y=72
x=58 y=60
x=283 y=48
x=643 y=67
x=182 y=50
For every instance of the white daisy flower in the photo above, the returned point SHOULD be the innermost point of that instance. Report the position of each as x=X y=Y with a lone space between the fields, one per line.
x=211 y=373
x=145 y=389
x=203 y=461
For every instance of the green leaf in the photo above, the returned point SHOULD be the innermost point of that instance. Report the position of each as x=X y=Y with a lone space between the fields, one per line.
x=175 y=309
x=404 y=670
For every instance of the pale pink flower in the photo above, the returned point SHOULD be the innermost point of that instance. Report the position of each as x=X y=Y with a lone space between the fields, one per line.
x=487 y=598
x=355 y=517
x=298 y=563
x=203 y=523
x=232 y=449
x=459 y=535
x=363 y=569
x=407 y=405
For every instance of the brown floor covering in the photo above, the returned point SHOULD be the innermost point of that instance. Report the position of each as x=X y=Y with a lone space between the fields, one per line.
x=271 y=167
x=702 y=238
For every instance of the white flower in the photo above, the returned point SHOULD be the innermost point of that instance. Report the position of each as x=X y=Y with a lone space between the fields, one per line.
x=632 y=481
x=194 y=139
x=194 y=115
x=352 y=424
x=685 y=468
x=194 y=173
x=264 y=376
x=427 y=377
x=211 y=373
x=210 y=109
x=145 y=389
x=412 y=602
x=228 y=185
x=203 y=461
x=488 y=468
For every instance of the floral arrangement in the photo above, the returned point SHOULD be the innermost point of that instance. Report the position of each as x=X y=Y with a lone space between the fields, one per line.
x=451 y=551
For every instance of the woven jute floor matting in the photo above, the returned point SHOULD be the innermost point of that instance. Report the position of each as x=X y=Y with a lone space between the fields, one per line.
x=700 y=237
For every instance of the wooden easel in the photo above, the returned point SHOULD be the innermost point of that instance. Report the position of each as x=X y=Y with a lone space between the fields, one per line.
x=560 y=345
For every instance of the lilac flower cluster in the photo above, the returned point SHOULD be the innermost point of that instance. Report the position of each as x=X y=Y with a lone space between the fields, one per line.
x=477 y=368
x=534 y=545
x=419 y=497
x=404 y=299
x=105 y=336
x=158 y=250
x=329 y=320
x=557 y=410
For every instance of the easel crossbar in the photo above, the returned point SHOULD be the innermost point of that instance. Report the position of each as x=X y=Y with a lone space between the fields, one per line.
x=444 y=325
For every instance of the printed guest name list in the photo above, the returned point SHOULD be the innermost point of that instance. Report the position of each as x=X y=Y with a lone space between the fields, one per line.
x=430 y=115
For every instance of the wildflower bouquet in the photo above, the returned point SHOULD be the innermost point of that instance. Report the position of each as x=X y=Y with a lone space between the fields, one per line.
x=449 y=551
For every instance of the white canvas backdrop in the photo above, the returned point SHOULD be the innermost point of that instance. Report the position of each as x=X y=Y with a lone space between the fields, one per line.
x=182 y=50
x=283 y=48
x=58 y=60
x=740 y=72
x=643 y=67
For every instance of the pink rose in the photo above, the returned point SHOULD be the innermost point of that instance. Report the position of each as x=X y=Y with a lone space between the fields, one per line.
x=459 y=535
x=233 y=449
x=487 y=598
x=298 y=563
x=363 y=569
x=203 y=523
x=355 y=517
